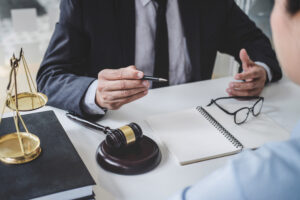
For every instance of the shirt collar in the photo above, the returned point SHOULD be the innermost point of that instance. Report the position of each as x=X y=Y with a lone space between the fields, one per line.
x=145 y=2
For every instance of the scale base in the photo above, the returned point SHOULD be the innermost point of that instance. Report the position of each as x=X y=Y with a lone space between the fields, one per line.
x=136 y=159
x=10 y=149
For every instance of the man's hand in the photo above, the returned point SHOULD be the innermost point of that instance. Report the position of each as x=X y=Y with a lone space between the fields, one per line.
x=117 y=87
x=254 y=78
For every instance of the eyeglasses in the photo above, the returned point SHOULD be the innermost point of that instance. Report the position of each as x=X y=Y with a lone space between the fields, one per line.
x=241 y=115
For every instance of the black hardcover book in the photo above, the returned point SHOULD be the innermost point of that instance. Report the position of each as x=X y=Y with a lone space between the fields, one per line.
x=58 y=173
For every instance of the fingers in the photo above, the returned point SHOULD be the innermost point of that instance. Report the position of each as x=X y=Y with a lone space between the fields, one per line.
x=117 y=103
x=117 y=87
x=113 y=85
x=252 y=88
x=120 y=94
x=135 y=97
x=254 y=72
x=245 y=85
x=255 y=82
x=244 y=93
x=246 y=61
x=120 y=74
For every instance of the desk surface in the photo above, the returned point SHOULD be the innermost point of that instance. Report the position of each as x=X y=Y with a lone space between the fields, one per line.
x=281 y=104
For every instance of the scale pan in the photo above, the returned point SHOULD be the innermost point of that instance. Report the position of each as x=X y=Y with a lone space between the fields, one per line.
x=27 y=101
x=10 y=149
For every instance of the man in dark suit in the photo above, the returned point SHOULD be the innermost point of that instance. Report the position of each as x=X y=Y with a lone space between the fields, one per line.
x=102 y=48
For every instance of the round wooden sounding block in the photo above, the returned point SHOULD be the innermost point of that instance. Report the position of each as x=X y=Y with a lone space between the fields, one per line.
x=135 y=159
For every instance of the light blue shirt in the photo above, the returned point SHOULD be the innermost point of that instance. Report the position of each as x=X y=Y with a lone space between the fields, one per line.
x=180 y=65
x=269 y=173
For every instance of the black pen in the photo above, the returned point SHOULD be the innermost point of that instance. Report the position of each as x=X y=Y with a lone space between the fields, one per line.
x=154 y=79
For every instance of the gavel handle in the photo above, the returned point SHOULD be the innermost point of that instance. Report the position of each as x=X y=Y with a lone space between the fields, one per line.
x=85 y=122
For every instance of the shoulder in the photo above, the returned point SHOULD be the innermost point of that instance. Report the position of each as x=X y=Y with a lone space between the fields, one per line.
x=265 y=169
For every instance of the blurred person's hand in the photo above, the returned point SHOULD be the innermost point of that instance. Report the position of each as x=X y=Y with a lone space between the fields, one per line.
x=117 y=87
x=253 y=76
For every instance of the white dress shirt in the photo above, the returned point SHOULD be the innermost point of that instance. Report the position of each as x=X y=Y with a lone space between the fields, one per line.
x=180 y=66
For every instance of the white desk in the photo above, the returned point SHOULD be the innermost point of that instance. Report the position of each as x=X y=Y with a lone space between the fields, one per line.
x=282 y=103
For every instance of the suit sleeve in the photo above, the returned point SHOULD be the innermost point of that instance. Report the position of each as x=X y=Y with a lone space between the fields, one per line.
x=62 y=73
x=241 y=32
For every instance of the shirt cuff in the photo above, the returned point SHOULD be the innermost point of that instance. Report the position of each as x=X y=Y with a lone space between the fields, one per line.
x=267 y=68
x=89 y=105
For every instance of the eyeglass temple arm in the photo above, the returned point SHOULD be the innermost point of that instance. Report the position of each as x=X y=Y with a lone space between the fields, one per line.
x=214 y=101
x=211 y=102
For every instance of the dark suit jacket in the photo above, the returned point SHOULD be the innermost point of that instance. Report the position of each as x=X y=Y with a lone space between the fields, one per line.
x=92 y=35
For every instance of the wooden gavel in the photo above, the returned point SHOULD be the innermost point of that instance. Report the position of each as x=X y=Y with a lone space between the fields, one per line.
x=115 y=138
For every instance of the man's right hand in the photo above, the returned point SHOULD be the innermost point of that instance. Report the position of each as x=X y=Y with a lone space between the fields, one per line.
x=117 y=87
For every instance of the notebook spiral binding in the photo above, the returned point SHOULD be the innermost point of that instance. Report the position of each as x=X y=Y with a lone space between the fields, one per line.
x=220 y=128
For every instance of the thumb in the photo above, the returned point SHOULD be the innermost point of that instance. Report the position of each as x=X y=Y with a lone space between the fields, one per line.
x=246 y=61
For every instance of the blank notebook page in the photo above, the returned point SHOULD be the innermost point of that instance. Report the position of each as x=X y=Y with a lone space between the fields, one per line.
x=190 y=137
x=255 y=132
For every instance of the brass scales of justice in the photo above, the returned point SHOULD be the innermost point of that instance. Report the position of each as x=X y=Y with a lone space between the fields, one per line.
x=20 y=147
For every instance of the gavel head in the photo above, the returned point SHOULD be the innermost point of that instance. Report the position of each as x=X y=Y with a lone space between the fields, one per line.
x=124 y=136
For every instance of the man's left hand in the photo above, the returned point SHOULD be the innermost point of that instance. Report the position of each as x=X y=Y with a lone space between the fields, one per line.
x=253 y=76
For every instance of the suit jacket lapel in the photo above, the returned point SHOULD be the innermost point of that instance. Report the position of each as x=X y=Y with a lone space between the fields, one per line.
x=126 y=22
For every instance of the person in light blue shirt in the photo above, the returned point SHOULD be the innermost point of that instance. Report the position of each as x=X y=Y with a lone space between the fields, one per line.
x=273 y=171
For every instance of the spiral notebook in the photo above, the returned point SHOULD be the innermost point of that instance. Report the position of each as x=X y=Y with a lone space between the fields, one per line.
x=205 y=133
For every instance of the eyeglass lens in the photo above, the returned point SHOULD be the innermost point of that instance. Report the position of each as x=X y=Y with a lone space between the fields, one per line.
x=241 y=116
x=257 y=107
